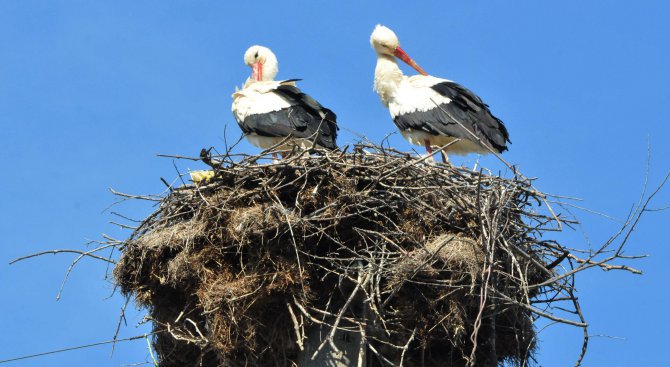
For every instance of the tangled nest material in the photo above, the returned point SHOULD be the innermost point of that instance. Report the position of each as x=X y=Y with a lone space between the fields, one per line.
x=415 y=264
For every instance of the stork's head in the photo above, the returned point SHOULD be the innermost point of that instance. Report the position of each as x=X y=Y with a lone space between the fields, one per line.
x=263 y=63
x=385 y=42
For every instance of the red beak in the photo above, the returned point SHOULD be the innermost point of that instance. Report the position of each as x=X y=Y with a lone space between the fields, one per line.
x=257 y=71
x=399 y=53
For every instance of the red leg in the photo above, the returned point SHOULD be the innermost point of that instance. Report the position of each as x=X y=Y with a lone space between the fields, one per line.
x=429 y=149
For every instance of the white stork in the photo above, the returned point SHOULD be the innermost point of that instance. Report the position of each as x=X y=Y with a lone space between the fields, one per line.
x=430 y=111
x=268 y=111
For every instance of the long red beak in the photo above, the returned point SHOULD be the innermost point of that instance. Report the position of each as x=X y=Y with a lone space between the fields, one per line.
x=257 y=71
x=402 y=55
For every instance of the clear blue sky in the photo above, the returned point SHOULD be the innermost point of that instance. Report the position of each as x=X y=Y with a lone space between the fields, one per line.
x=90 y=92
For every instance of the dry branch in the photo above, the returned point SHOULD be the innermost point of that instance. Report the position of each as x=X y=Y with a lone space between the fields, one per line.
x=427 y=264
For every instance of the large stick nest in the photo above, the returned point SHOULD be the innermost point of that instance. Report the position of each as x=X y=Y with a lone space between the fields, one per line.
x=427 y=264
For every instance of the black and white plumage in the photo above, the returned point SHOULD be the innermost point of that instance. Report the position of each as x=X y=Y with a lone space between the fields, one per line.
x=431 y=111
x=268 y=111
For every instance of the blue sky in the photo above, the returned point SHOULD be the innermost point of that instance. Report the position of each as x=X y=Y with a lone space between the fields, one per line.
x=90 y=92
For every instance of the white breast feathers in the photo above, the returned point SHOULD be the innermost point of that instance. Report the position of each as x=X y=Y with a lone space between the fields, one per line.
x=415 y=94
x=257 y=97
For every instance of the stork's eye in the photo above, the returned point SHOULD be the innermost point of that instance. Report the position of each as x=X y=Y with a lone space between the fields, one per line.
x=256 y=55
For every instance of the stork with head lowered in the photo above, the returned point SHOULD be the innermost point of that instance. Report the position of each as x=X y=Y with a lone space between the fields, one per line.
x=270 y=112
x=430 y=111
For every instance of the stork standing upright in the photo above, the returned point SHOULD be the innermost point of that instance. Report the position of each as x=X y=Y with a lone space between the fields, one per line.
x=269 y=111
x=430 y=111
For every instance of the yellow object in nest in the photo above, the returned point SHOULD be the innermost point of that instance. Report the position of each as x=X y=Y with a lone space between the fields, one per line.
x=200 y=176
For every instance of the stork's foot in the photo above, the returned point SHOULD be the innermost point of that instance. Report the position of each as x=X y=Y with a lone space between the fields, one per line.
x=427 y=159
x=429 y=151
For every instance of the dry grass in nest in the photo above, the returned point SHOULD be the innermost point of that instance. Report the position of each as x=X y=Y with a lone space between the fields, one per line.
x=434 y=264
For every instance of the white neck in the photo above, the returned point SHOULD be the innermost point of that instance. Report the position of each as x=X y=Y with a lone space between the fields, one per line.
x=270 y=69
x=388 y=77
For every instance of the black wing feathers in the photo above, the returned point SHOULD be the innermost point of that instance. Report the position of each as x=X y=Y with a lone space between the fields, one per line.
x=294 y=94
x=474 y=114
x=305 y=118
x=466 y=109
